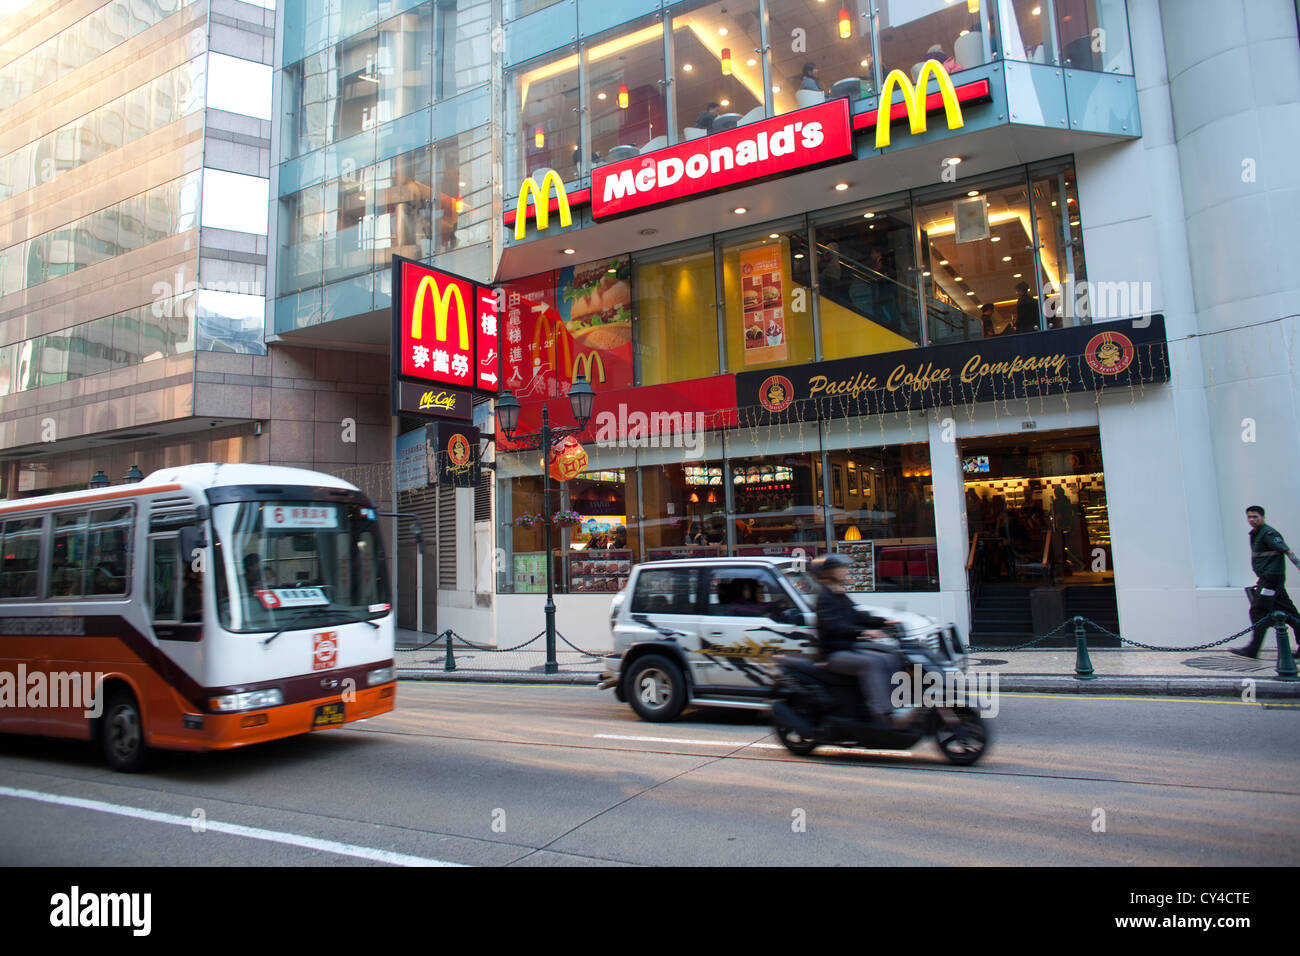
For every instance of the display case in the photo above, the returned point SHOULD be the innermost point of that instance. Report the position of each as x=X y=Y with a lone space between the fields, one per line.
x=596 y=572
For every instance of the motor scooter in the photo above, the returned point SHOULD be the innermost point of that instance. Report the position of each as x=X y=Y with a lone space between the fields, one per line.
x=812 y=706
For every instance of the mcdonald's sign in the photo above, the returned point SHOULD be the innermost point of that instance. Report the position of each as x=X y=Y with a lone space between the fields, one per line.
x=914 y=100
x=444 y=328
x=587 y=363
x=541 y=203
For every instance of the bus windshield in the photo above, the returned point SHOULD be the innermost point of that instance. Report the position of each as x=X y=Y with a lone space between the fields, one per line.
x=311 y=561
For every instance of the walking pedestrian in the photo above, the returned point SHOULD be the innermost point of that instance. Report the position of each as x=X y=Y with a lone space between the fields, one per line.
x=1266 y=552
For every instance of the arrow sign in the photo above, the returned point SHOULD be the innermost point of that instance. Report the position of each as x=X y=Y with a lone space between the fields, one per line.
x=488 y=377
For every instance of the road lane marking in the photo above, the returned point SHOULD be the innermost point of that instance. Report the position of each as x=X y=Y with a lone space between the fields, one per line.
x=741 y=743
x=1126 y=697
x=232 y=829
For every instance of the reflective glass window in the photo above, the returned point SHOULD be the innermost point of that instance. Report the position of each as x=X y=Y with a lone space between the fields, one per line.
x=20 y=558
x=813 y=59
x=709 y=99
x=675 y=308
x=626 y=96
x=109 y=551
x=866 y=282
x=405 y=63
x=957 y=35
x=1093 y=35
x=235 y=201
x=546 y=131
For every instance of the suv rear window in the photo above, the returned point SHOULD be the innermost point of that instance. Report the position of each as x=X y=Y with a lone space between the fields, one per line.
x=666 y=591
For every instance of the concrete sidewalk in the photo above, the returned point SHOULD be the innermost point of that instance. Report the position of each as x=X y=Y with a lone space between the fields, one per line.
x=1209 y=673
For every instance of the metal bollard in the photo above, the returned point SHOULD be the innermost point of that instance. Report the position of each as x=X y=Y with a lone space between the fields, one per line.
x=1286 y=669
x=1082 y=662
x=450 y=663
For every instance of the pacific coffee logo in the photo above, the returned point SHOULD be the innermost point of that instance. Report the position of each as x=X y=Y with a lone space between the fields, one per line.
x=776 y=393
x=1109 y=353
x=458 y=450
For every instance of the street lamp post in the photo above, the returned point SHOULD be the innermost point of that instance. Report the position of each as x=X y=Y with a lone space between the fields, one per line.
x=581 y=398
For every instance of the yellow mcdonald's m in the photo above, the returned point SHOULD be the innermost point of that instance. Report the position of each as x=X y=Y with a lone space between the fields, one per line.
x=583 y=363
x=914 y=98
x=541 y=203
x=441 y=303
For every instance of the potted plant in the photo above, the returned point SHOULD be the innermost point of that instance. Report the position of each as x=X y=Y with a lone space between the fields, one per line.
x=527 y=519
x=567 y=519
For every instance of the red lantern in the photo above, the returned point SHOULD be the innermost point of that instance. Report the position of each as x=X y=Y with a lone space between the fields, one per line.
x=539 y=138
x=568 y=459
x=726 y=61
x=846 y=25
x=622 y=96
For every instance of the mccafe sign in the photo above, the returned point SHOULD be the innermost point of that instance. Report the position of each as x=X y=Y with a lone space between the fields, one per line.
x=1002 y=368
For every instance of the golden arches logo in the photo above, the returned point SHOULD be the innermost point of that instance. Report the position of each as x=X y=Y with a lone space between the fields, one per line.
x=583 y=364
x=441 y=304
x=540 y=203
x=914 y=99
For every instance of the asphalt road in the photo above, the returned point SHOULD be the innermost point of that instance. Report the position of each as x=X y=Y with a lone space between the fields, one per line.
x=559 y=775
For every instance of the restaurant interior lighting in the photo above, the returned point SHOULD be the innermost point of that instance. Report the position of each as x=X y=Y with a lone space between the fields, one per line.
x=740 y=210
x=622 y=96
x=539 y=138
x=840 y=187
x=846 y=25
x=973 y=193
x=569 y=252
x=726 y=61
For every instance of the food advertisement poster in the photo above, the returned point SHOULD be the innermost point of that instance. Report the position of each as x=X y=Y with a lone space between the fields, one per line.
x=862 y=573
x=564 y=323
x=762 y=311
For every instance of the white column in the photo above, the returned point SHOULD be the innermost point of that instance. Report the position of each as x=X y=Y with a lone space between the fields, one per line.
x=950 y=519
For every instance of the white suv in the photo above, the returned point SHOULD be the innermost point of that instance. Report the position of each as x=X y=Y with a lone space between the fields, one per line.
x=704 y=632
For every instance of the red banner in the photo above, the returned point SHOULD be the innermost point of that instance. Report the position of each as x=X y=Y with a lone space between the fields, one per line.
x=783 y=143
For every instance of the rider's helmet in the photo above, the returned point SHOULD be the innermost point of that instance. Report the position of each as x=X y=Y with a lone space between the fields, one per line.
x=822 y=568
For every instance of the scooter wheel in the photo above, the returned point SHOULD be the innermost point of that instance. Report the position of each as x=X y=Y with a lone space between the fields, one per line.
x=797 y=745
x=965 y=742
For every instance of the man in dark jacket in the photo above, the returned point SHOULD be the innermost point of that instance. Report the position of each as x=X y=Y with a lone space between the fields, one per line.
x=840 y=623
x=1267 y=549
x=1026 y=309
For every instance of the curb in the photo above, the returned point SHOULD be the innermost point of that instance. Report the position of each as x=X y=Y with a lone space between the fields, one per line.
x=1016 y=683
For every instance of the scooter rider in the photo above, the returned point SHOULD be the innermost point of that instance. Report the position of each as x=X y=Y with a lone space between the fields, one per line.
x=840 y=625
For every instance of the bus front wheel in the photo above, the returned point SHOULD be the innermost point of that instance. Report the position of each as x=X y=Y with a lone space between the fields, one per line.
x=121 y=733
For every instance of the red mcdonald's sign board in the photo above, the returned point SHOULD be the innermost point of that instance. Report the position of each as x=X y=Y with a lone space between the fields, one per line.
x=444 y=328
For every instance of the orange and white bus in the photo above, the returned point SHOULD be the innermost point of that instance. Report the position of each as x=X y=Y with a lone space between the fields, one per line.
x=207 y=607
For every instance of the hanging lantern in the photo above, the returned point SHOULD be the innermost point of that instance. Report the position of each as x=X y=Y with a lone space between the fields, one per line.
x=622 y=96
x=568 y=459
x=539 y=138
x=460 y=205
x=726 y=61
x=972 y=6
x=853 y=534
x=846 y=25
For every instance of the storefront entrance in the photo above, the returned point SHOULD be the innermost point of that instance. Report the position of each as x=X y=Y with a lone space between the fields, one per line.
x=1039 y=534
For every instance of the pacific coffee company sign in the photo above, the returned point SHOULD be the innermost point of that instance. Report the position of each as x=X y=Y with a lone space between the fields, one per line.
x=1003 y=368
x=744 y=154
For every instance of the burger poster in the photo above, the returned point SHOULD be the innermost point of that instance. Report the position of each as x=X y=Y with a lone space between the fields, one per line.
x=596 y=307
x=761 y=300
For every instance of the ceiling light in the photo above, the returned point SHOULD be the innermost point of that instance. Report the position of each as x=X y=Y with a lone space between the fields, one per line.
x=840 y=187
x=864 y=62
x=1006 y=258
x=1036 y=11
x=750 y=62
x=1074 y=222
x=600 y=95
x=963 y=33
x=1053 y=202
x=868 y=215
x=970 y=293
x=774 y=236
x=776 y=89
x=569 y=252
x=687 y=67
x=995 y=238
x=724 y=102
x=973 y=193
x=1016 y=275
x=943 y=262
x=951 y=160
x=649 y=231
x=798 y=255
x=740 y=210
x=925 y=273
x=722 y=31
x=956 y=278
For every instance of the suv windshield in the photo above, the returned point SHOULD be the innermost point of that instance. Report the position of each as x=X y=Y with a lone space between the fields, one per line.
x=281 y=562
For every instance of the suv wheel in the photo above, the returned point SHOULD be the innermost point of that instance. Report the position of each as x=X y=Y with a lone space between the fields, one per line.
x=655 y=688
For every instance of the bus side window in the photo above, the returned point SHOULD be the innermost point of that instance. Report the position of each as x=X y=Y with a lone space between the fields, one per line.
x=163 y=577
x=21 y=557
x=108 y=557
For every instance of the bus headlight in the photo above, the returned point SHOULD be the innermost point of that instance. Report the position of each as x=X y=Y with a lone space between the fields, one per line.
x=381 y=675
x=251 y=700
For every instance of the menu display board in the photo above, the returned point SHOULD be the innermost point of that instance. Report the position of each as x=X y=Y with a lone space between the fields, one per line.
x=862 y=574
x=599 y=571
x=762 y=309
x=530 y=572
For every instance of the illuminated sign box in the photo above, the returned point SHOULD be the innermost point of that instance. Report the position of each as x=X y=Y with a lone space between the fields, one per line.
x=796 y=140
x=444 y=334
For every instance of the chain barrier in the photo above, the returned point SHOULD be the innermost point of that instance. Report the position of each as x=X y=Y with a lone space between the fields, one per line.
x=592 y=654
x=1123 y=640
x=1030 y=643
